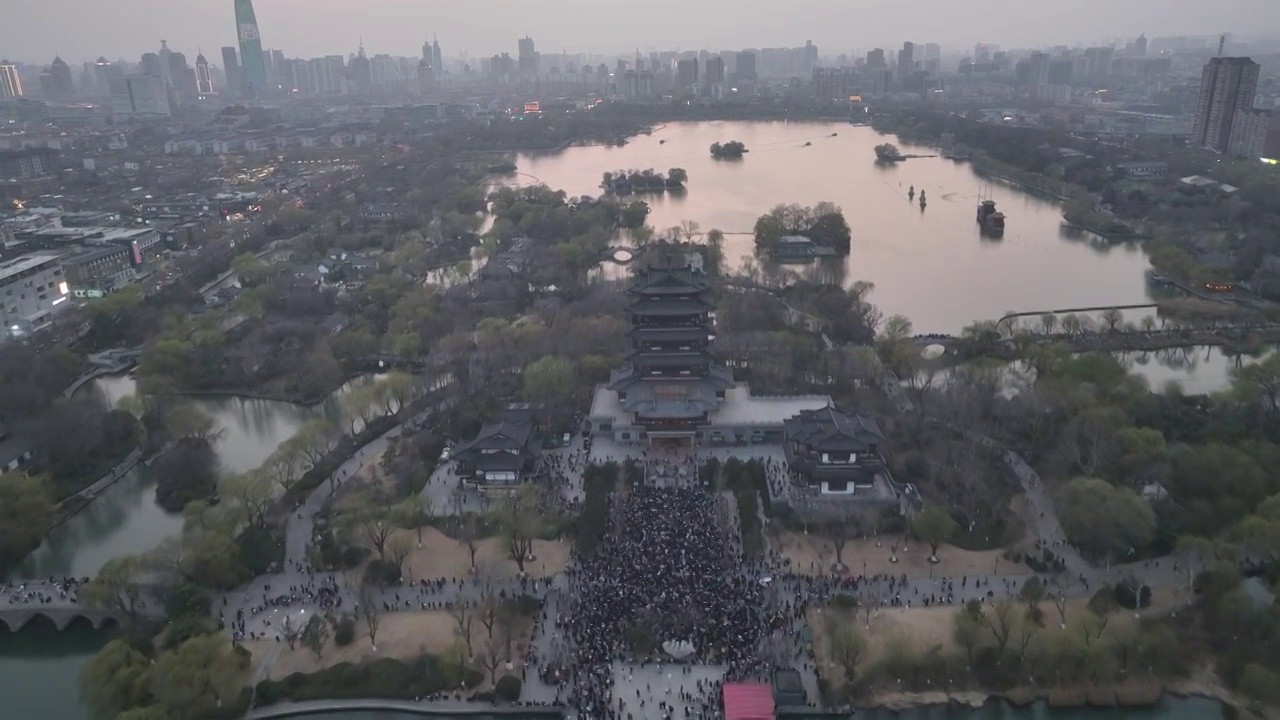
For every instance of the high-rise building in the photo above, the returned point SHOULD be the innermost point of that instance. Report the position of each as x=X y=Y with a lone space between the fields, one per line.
x=837 y=83
x=1098 y=61
x=56 y=81
x=231 y=68
x=1227 y=87
x=1255 y=134
x=163 y=56
x=746 y=67
x=687 y=72
x=437 y=58
x=906 y=59
x=150 y=65
x=426 y=76
x=255 y=67
x=103 y=72
x=361 y=73
x=1140 y=45
x=181 y=79
x=10 y=83
x=139 y=96
x=528 y=56
x=932 y=51
x=715 y=70
x=427 y=55
x=875 y=59
x=204 y=79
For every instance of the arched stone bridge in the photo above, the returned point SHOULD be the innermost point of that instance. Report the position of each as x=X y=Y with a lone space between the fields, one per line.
x=16 y=618
x=20 y=604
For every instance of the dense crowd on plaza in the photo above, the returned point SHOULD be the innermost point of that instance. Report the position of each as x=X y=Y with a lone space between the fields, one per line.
x=670 y=572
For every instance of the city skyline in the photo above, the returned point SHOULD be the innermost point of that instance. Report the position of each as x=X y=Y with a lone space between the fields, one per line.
x=80 y=31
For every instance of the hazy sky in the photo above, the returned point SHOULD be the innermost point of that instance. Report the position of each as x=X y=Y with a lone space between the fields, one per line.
x=33 y=30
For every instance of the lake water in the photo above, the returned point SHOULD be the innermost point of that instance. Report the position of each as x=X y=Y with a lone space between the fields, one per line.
x=930 y=265
x=39 y=666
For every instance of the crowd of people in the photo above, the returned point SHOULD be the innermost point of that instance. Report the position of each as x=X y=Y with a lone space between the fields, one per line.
x=668 y=573
x=62 y=590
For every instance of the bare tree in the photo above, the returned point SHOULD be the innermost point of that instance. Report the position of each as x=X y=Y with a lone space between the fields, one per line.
x=463 y=617
x=870 y=596
x=519 y=515
x=398 y=549
x=490 y=659
x=839 y=531
x=1001 y=622
x=373 y=525
x=370 y=613
x=488 y=601
x=467 y=529
x=508 y=624
x=290 y=631
x=1057 y=588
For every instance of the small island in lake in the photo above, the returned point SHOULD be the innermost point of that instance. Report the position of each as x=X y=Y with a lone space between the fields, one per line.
x=796 y=232
x=623 y=182
x=728 y=151
x=888 y=152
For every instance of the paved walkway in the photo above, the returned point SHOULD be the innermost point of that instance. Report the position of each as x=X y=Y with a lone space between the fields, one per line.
x=300 y=533
x=423 y=707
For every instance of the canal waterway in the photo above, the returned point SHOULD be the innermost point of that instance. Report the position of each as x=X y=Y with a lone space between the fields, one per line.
x=39 y=666
x=931 y=265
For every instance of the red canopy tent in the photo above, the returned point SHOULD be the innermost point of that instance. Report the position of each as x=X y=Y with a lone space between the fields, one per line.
x=748 y=701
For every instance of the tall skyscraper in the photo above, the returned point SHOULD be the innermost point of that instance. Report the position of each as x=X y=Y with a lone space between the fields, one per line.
x=103 y=71
x=1227 y=87
x=687 y=72
x=56 y=82
x=428 y=56
x=746 y=65
x=906 y=59
x=437 y=59
x=715 y=70
x=231 y=68
x=1140 y=45
x=165 y=56
x=10 y=83
x=1255 y=134
x=361 y=73
x=181 y=79
x=255 y=68
x=138 y=96
x=150 y=65
x=204 y=79
x=528 y=57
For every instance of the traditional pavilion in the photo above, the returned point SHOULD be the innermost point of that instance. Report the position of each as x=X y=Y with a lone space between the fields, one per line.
x=503 y=453
x=671 y=383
